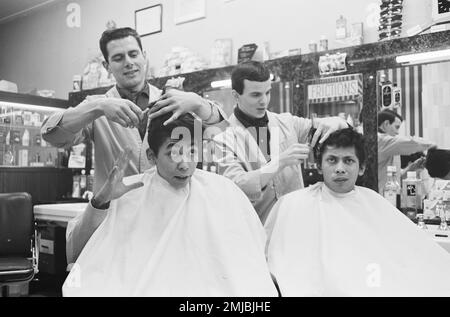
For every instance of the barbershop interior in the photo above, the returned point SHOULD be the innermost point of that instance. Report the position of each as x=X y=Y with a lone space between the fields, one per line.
x=377 y=67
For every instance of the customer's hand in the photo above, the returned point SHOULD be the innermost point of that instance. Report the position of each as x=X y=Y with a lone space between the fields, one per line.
x=121 y=111
x=180 y=102
x=114 y=186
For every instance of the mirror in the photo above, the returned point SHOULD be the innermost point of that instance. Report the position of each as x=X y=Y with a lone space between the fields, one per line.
x=332 y=96
x=281 y=99
x=420 y=95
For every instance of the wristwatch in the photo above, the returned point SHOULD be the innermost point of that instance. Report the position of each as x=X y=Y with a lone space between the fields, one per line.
x=96 y=205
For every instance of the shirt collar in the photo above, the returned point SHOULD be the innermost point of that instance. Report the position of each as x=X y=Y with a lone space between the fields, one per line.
x=126 y=94
x=248 y=121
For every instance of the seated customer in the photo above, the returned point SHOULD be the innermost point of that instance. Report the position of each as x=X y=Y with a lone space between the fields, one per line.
x=438 y=163
x=182 y=232
x=338 y=239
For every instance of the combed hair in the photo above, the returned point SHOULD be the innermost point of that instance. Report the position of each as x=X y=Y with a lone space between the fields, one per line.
x=342 y=139
x=158 y=133
x=438 y=162
x=250 y=70
x=117 y=34
x=387 y=115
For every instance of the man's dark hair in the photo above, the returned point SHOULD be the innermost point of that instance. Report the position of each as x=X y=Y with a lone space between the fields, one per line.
x=250 y=70
x=438 y=162
x=342 y=139
x=117 y=34
x=389 y=115
x=158 y=133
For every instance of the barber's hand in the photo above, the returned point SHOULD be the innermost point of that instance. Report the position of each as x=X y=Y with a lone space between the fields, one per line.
x=114 y=186
x=121 y=111
x=326 y=126
x=416 y=165
x=180 y=102
x=293 y=155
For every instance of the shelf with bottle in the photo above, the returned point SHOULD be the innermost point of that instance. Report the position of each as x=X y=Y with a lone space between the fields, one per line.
x=18 y=155
x=16 y=126
x=21 y=143
x=82 y=184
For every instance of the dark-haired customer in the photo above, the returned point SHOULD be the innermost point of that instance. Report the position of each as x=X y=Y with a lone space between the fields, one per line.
x=171 y=231
x=338 y=239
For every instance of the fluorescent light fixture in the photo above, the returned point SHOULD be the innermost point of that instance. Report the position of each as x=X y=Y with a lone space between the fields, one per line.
x=434 y=56
x=227 y=82
x=23 y=106
x=221 y=83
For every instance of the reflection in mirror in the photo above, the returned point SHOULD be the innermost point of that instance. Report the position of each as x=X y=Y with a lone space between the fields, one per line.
x=333 y=96
x=419 y=98
x=336 y=96
x=280 y=100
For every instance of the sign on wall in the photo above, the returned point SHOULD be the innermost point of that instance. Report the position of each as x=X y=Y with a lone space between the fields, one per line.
x=336 y=88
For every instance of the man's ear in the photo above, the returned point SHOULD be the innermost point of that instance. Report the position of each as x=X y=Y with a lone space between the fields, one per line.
x=319 y=169
x=362 y=169
x=384 y=125
x=235 y=95
x=106 y=65
x=151 y=156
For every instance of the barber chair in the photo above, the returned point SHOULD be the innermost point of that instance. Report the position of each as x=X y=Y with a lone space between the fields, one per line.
x=18 y=251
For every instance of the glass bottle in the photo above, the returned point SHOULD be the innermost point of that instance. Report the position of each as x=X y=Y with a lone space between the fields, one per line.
x=421 y=222
x=391 y=188
x=393 y=169
x=412 y=196
x=341 y=28
x=440 y=210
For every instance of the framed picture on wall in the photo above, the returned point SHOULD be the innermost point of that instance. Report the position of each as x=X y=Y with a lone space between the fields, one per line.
x=440 y=11
x=148 y=20
x=189 y=10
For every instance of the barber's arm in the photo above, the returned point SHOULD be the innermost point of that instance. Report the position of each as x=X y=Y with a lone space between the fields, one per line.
x=402 y=145
x=98 y=207
x=180 y=102
x=252 y=183
x=63 y=129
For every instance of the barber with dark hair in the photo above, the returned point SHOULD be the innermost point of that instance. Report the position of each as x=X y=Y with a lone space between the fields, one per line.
x=262 y=151
x=391 y=146
x=119 y=119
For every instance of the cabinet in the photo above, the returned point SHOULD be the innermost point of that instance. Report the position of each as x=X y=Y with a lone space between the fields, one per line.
x=27 y=162
x=21 y=144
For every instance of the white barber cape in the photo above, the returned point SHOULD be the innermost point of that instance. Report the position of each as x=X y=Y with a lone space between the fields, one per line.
x=203 y=240
x=356 y=244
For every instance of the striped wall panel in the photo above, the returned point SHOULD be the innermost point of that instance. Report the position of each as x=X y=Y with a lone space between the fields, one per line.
x=409 y=79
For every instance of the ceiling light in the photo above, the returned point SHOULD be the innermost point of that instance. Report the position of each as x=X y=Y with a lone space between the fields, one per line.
x=433 y=56
x=221 y=83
